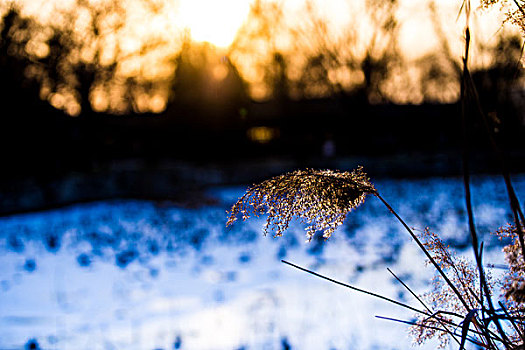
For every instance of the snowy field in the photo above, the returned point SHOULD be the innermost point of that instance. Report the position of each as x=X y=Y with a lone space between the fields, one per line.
x=130 y=274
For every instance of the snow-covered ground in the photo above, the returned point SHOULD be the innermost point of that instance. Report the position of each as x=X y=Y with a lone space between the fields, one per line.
x=144 y=275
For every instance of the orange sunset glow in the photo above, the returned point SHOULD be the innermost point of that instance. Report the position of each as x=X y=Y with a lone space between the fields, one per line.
x=215 y=22
x=139 y=42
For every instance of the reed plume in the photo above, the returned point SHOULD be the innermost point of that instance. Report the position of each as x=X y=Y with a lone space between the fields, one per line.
x=320 y=198
x=514 y=11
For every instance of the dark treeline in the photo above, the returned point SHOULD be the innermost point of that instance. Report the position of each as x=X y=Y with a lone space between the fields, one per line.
x=209 y=119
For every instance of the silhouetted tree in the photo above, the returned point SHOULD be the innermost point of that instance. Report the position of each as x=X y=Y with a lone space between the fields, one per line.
x=499 y=84
x=15 y=85
x=276 y=76
x=206 y=85
x=25 y=147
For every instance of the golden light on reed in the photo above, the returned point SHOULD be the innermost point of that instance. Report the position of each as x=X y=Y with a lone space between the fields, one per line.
x=319 y=198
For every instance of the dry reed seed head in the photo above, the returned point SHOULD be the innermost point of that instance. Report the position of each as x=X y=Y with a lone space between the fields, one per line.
x=320 y=198
x=514 y=279
x=462 y=273
x=516 y=292
x=514 y=11
x=428 y=329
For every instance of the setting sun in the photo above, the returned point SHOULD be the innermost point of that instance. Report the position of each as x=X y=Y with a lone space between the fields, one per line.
x=212 y=21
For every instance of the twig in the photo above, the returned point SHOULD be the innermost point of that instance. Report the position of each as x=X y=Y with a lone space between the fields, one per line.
x=422 y=247
x=424 y=305
x=512 y=321
x=425 y=326
x=466 y=181
x=354 y=288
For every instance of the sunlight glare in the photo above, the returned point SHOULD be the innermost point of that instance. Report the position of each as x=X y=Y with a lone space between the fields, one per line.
x=215 y=22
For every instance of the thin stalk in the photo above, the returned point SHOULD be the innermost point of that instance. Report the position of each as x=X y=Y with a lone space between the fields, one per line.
x=425 y=326
x=440 y=270
x=466 y=181
x=422 y=247
x=424 y=305
x=450 y=323
x=519 y=7
x=354 y=288
x=519 y=218
x=376 y=295
x=520 y=333
x=466 y=170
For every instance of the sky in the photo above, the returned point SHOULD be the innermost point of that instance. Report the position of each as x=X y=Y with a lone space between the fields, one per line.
x=213 y=21
x=217 y=22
